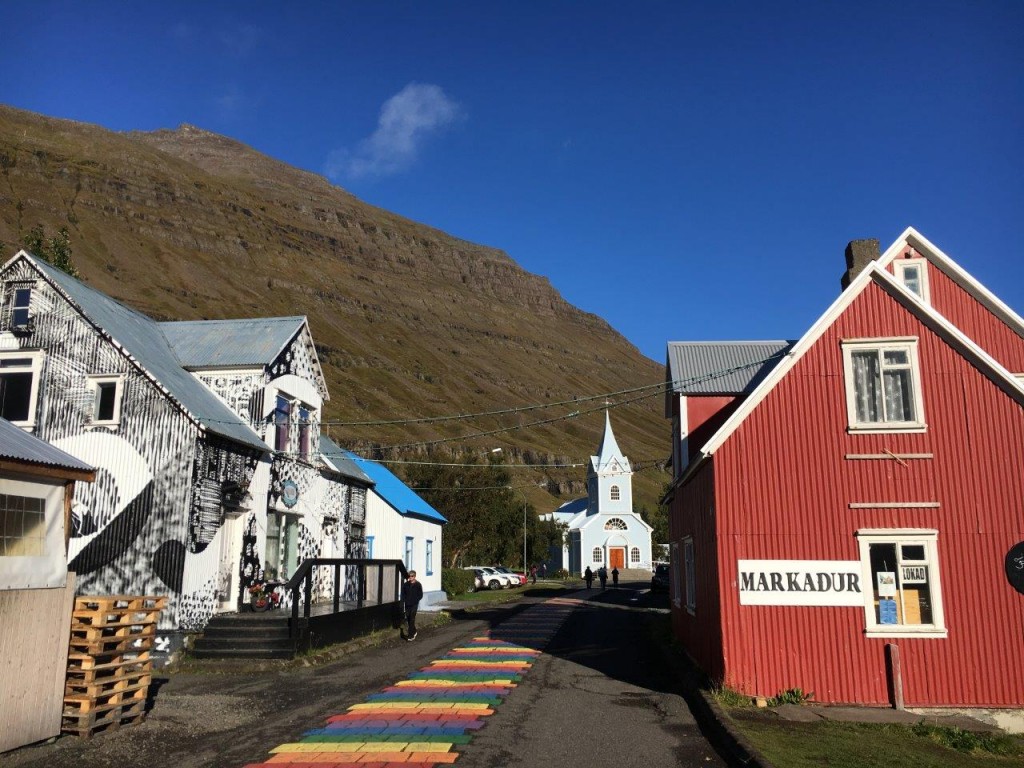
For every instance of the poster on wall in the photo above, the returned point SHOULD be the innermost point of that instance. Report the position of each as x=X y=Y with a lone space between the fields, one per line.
x=886 y=583
x=800 y=582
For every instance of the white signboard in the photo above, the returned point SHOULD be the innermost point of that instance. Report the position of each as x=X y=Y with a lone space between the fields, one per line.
x=800 y=582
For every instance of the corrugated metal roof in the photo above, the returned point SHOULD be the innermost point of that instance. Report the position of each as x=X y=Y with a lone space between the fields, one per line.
x=721 y=367
x=339 y=460
x=394 y=491
x=19 y=445
x=142 y=338
x=222 y=343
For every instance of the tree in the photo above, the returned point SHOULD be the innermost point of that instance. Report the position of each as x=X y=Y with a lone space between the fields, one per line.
x=56 y=250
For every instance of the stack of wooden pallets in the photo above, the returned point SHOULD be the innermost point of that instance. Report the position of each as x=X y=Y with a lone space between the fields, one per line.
x=109 y=664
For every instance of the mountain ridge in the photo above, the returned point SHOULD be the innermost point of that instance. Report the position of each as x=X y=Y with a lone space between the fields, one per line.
x=409 y=321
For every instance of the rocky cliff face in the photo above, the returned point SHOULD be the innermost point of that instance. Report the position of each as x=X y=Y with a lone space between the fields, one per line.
x=410 y=322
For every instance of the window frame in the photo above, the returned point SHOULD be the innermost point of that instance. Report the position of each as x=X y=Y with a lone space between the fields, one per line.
x=410 y=543
x=921 y=264
x=304 y=423
x=908 y=344
x=35 y=367
x=369 y=547
x=428 y=565
x=634 y=556
x=94 y=382
x=26 y=540
x=597 y=555
x=929 y=538
x=615 y=493
x=690 y=572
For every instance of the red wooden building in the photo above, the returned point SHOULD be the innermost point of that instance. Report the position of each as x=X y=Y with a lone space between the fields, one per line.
x=843 y=505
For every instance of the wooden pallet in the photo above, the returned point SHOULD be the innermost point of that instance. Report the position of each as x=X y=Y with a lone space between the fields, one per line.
x=89 y=724
x=109 y=664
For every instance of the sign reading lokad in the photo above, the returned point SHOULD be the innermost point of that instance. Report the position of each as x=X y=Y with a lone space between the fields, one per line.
x=800 y=582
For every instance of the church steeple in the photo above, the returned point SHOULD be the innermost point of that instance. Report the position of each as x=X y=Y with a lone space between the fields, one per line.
x=609 y=476
x=609 y=449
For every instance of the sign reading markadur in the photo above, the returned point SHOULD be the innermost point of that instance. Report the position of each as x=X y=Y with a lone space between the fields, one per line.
x=800 y=582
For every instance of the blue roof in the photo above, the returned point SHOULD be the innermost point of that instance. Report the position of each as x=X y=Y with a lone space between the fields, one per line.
x=339 y=459
x=142 y=339
x=19 y=445
x=395 y=492
x=222 y=343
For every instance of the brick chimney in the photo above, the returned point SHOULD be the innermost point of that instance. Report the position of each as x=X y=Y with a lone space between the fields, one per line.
x=859 y=253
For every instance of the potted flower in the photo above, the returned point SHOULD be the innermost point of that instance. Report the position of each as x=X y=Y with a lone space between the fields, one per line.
x=259 y=597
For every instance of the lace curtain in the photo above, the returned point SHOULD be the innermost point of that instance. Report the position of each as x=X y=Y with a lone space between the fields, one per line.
x=883 y=394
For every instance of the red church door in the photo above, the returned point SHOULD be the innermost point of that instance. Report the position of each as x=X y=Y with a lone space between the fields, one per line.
x=617 y=556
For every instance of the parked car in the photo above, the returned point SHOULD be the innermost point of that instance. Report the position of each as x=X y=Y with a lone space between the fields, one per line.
x=659 y=581
x=518 y=576
x=494 y=579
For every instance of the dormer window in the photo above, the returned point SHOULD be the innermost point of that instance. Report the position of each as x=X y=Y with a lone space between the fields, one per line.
x=912 y=273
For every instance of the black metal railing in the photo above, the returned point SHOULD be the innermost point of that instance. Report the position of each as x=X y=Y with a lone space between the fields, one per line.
x=364 y=584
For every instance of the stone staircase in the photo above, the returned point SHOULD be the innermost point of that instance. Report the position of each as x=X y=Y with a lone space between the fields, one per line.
x=246 y=636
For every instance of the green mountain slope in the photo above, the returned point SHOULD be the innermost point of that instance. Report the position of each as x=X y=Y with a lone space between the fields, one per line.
x=409 y=321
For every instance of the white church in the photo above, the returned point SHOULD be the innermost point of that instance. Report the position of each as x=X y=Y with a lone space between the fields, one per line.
x=603 y=529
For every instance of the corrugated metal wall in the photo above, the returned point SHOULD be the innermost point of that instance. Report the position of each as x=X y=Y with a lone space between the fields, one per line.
x=784 y=486
x=35 y=625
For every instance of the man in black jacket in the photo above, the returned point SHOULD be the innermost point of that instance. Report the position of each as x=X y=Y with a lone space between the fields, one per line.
x=412 y=593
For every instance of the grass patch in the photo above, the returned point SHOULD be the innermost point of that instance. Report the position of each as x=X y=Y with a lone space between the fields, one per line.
x=858 y=745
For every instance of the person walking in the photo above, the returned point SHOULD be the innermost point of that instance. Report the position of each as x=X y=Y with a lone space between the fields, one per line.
x=543 y=570
x=533 y=573
x=615 y=578
x=412 y=593
x=588 y=576
x=602 y=574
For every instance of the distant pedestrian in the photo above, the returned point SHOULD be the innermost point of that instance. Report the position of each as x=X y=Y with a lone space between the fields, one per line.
x=533 y=573
x=602 y=574
x=588 y=576
x=543 y=570
x=615 y=577
x=412 y=593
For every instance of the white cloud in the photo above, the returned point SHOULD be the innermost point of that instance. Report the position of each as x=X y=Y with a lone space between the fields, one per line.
x=406 y=121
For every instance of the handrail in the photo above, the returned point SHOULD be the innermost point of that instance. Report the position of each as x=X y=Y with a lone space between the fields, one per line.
x=301 y=583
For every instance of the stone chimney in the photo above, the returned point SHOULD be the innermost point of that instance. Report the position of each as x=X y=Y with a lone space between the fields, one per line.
x=859 y=253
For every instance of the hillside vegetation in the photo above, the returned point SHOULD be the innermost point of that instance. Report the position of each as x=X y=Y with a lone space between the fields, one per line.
x=410 y=322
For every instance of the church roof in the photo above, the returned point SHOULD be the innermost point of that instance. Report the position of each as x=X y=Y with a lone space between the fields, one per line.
x=609 y=450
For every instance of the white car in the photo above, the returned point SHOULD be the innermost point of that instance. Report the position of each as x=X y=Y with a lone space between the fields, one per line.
x=495 y=579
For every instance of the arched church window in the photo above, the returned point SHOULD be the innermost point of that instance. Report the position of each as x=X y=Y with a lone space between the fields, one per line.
x=615 y=493
x=615 y=524
x=634 y=555
x=597 y=555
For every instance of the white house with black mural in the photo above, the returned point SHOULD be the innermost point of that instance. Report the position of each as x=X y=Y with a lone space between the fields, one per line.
x=602 y=529
x=204 y=436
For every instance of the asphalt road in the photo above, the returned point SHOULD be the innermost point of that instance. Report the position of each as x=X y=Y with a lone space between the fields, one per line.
x=597 y=697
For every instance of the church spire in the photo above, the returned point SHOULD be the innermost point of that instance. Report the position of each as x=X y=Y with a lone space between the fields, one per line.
x=609 y=449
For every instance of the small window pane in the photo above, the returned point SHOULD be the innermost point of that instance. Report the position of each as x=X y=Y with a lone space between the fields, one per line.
x=22 y=526
x=913 y=552
x=106 y=395
x=912 y=279
x=896 y=357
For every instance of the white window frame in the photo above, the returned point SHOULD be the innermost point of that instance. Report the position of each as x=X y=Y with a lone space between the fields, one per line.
x=690 y=568
x=410 y=548
x=905 y=344
x=614 y=493
x=428 y=565
x=899 y=269
x=93 y=383
x=597 y=555
x=927 y=537
x=35 y=367
x=634 y=556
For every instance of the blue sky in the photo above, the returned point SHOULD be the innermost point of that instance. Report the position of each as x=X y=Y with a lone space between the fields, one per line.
x=685 y=170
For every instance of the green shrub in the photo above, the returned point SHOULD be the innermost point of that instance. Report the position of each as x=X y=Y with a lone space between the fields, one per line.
x=792 y=696
x=455 y=581
x=561 y=573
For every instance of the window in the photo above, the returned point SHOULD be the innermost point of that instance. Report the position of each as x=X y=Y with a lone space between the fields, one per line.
x=597 y=555
x=883 y=386
x=691 y=575
x=615 y=493
x=902 y=592
x=282 y=420
x=19 y=386
x=408 y=553
x=615 y=524
x=304 y=432
x=912 y=273
x=106 y=399
x=369 y=547
x=428 y=566
x=21 y=303
x=634 y=555
x=22 y=526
